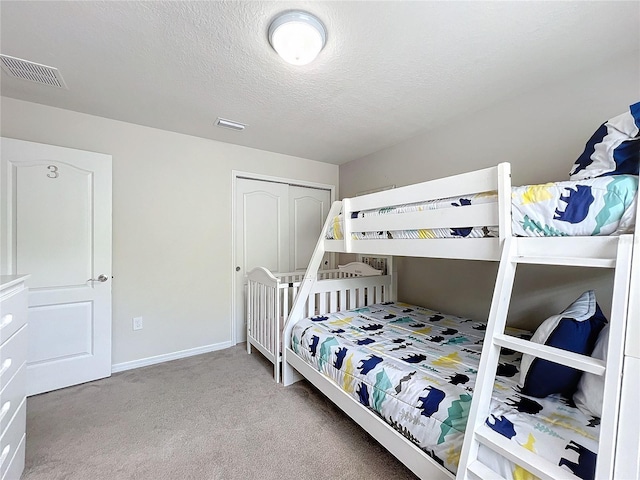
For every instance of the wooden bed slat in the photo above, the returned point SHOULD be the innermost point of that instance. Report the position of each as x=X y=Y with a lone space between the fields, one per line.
x=478 y=181
x=563 y=357
x=454 y=248
x=452 y=217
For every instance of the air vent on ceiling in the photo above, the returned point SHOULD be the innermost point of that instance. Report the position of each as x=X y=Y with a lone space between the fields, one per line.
x=230 y=124
x=33 y=72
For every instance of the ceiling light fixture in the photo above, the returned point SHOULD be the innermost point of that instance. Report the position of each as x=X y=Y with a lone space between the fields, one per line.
x=297 y=36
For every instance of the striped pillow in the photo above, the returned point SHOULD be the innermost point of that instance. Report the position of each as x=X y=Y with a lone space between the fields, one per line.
x=613 y=150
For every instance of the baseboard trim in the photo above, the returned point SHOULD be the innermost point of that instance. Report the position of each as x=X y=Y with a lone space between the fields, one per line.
x=145 y=362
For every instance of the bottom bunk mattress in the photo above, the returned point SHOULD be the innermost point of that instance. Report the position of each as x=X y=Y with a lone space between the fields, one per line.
x=416 y=368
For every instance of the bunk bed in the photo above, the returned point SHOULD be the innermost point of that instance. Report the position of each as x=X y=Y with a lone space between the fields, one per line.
x=397 y=349
x=270 y=296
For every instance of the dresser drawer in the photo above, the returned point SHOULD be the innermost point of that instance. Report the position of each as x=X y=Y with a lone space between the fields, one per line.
x=12 y=436
x=13 y=312
x=12 y=395
x=13 y=354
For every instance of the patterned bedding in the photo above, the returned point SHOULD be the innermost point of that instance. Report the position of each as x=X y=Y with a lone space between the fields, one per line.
x=597 y=206
x=416 y=368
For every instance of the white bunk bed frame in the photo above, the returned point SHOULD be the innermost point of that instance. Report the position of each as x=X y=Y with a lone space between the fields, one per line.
x=270 y=298
x=598 y=252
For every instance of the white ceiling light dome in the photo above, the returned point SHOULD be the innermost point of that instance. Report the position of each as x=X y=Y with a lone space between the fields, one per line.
x=297 y=36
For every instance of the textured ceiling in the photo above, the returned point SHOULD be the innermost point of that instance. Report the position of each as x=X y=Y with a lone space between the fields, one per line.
x=389 y=71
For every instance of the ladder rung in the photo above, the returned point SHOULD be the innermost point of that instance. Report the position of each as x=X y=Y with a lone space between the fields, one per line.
x=557 y=355
x=483 y=472
x=568 y=261
x=538 y=466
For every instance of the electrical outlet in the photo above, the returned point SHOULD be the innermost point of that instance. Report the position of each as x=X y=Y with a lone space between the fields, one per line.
x=137 y=323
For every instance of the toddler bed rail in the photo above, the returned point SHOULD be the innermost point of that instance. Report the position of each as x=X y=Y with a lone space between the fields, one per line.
x=271 y=295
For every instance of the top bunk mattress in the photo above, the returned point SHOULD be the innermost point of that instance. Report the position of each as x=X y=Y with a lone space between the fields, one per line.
x=416 y=368
x=597 y=206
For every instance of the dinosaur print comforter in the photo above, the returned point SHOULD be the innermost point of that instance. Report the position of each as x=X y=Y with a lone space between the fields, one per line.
x=597 y=206
x=416 y=368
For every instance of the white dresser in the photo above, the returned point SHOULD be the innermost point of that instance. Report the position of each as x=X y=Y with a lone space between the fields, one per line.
x=13 y=355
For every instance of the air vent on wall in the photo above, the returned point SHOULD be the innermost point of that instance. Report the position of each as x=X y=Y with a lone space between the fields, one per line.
x=33 y=72
x=230 y=124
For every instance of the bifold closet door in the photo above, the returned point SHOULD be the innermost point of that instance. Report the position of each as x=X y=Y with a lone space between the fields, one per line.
x=308 y=209
x=277 y=227
x=262 y=236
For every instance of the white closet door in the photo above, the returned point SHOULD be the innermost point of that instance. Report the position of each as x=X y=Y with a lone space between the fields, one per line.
x=262 y=236
x=56 y=226
x=308 y=209
x=277 y=227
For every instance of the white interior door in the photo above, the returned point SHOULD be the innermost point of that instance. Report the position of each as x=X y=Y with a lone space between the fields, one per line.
x=56 y=226
x=277 y=227
x=308 y=209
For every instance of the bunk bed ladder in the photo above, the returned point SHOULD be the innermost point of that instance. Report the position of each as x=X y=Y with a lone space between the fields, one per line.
x=289 y=374
x=478 y=433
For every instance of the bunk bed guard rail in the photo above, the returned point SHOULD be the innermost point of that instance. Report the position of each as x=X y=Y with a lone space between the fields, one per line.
x=498 y=213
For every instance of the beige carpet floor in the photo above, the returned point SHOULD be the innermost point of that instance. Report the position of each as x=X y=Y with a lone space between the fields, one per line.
x=212 y=416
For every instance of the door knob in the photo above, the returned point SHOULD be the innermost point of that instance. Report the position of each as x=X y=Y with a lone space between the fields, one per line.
x=101 y=278
x=237 y=269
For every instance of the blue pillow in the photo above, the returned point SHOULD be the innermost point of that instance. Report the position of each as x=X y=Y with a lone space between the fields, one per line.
x=576 y=329
x=613 y=150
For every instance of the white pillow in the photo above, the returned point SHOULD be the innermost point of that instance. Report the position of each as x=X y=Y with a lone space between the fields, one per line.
x=590 y=392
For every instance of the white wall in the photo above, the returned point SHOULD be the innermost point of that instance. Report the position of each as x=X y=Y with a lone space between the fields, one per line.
x=541 y=134
x=172 y=250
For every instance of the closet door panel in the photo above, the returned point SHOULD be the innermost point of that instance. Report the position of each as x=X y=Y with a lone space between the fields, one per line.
x=308 y=210
x=262 y=236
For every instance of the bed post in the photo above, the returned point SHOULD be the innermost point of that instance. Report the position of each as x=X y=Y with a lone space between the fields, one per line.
x=346 y=225
x=393 y=271
x=504 y=201
x=289 y=375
